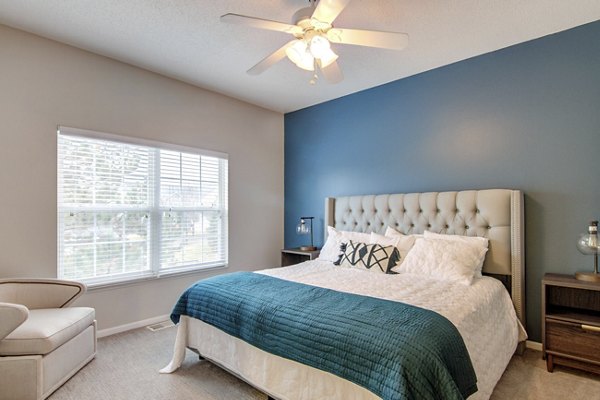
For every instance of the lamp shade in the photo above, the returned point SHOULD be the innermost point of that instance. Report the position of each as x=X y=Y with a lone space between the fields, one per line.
x=588 y=244
x=299 y=54
x=319 y=45
x=327 y=58
x=303 y=53
x=304 y=227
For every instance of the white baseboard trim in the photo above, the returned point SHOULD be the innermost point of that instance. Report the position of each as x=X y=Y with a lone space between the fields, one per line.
x=133 y=325
x=533 y=345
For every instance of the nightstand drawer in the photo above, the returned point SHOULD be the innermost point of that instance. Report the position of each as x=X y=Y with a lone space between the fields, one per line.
x=578 y=340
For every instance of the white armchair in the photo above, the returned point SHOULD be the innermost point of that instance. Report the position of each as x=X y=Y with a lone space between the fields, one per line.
x=42 y=341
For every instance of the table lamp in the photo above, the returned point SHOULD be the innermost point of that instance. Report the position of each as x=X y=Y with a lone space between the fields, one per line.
x=304 y=229
x=588 y=244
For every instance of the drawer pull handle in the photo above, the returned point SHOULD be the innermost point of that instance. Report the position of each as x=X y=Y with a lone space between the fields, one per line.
x=590 y=328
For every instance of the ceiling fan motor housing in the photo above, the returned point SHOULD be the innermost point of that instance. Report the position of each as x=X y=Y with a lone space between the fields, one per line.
x=302 y=17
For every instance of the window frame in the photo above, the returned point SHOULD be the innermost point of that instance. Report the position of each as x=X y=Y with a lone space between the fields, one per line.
x=156 y=210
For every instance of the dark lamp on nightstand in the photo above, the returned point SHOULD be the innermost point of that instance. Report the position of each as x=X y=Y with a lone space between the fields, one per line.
x=588 y=244
x=305 y=228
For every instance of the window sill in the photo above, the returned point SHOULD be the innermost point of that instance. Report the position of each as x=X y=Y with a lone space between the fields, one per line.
x=140 y=279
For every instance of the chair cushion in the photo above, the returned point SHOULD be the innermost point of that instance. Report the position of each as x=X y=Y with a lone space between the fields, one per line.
x=45 y=330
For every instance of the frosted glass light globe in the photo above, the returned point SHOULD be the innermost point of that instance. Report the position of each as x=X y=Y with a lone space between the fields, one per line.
x=295 y=51
x=328 y=57
x=298 y=54
x=319 y=45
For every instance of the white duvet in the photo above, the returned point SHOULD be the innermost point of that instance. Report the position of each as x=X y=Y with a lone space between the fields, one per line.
x=482 y=312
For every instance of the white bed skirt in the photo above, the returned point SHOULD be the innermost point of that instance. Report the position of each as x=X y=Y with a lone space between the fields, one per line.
x=278 y=377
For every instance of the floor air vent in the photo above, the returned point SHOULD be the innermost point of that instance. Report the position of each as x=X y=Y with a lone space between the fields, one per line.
x=161 y=325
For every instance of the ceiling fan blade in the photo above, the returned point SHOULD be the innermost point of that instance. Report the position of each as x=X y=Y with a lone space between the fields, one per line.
x=328 y=10
x=359 y=37
x=270 y=60
x=332 y=72
x=261 y=23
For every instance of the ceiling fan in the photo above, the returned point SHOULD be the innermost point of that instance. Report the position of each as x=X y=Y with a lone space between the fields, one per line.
x=313 y=31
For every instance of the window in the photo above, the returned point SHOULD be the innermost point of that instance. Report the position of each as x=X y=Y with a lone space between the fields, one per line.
x=131 y=209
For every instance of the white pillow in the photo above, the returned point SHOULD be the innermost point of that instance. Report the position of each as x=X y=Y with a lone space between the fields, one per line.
x=384 y=240
x=331 y=250
x=391 y=232
x=402 y=242
x=448 y=260
x=354 y=236
x=475 y=240
x=480 y=243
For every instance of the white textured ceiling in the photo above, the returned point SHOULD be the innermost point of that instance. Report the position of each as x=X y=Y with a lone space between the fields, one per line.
x=184 y=39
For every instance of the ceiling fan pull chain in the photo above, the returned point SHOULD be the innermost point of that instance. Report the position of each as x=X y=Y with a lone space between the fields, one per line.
x=315 y=77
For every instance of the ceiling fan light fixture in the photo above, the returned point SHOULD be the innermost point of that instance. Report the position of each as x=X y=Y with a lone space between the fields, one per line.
x=299 y=54
x=296 y=50
x=319 y=45
x=327 y=58
x=307 y=62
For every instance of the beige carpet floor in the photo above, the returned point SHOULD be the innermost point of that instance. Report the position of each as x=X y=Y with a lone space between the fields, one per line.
x=127 y=365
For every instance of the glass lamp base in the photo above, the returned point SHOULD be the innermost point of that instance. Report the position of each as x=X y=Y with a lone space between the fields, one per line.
x=308 y=248
x=587 y=276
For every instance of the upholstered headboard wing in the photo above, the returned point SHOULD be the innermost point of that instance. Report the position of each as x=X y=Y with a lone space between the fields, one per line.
x=496 y=214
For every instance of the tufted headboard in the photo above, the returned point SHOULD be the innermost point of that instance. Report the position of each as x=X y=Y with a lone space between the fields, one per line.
x=496 y=214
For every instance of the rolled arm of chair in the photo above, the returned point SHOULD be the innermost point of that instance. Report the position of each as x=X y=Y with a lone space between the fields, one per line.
x=40 y=293
x=11 y=316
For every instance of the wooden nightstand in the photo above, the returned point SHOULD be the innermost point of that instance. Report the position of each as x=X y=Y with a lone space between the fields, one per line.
x=296 y=256
x=571 y=322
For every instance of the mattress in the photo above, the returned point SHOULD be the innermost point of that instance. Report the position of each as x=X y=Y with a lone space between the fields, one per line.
x=483 y=314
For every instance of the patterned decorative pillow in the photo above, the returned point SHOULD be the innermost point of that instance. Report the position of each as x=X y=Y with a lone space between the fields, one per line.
x=373 y=257
x=331 y=249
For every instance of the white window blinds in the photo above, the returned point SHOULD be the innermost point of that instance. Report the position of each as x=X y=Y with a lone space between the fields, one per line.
x=191 y=200
x=128 y=210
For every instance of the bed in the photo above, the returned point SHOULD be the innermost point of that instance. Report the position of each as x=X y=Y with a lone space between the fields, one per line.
x=488 y=319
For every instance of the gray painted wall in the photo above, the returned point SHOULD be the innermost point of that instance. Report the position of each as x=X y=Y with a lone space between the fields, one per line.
x=45 y=83
x=525 y=117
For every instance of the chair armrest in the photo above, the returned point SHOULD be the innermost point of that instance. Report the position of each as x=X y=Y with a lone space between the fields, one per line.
x=11 y=316
x=40 y=293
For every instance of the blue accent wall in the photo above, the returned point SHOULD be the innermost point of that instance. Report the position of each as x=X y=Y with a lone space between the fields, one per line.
x=525 y=117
